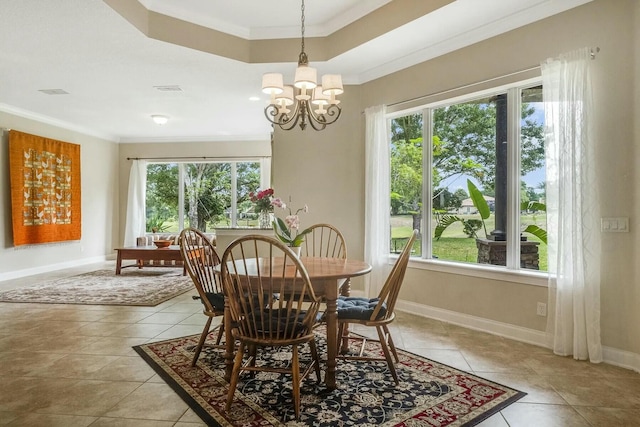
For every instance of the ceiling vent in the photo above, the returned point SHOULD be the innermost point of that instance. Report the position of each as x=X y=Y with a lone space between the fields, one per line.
x=54 y=91
x=168 y=88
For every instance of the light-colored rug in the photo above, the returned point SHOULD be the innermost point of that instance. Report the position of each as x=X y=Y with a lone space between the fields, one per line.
x=145 y=287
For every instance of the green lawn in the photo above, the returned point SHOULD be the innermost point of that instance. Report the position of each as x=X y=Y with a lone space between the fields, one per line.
x=454 y=245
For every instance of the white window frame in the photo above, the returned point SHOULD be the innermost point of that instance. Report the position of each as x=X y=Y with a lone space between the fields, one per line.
x=265 y=180
x=512 y=271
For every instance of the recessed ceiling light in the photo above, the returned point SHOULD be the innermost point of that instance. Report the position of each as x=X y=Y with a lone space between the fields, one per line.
x=159 y=120
x=254 y=98
x=54 y=91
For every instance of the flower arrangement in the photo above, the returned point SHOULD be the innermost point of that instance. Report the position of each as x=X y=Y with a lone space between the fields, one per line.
x=287 y=230
x=263 y=200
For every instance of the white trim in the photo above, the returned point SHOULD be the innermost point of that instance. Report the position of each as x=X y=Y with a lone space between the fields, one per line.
x=485 y=271
x=204 y=138
x=514 y=158
x=613 y=356
x=54 y=267
x=622 y=358
x=518 y=333
x=55 y=122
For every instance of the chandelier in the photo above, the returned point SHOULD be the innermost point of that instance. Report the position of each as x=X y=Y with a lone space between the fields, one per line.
x=305 y=101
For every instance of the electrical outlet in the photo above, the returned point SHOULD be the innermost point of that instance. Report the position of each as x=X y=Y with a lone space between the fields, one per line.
x=541 y=309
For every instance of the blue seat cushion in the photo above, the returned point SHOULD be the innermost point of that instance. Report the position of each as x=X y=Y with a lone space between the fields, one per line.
x=359 y=308
x=216 y=299
x=277 y=321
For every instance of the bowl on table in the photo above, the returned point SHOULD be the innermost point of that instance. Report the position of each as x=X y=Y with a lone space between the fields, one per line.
x=162 y=243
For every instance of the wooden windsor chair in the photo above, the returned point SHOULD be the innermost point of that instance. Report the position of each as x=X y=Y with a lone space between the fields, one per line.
x=271 y=304
x=200 y=256
x=377 y=312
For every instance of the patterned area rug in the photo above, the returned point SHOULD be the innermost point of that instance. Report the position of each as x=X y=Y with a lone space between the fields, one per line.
x=145 y=287
x=429 y=393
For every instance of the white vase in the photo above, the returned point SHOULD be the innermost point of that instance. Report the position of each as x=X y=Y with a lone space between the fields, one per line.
x=296 y=250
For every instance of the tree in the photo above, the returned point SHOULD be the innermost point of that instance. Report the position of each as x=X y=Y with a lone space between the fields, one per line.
x=459 y=195
x=162 y=195
x=207 y=192
x=406 y=174
x=443 y=199
x=463 y=144
x=467 y=136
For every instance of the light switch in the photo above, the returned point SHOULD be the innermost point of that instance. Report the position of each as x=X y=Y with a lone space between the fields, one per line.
x=614 y=225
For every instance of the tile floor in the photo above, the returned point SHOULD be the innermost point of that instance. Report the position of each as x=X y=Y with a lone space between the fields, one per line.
x=73 y=365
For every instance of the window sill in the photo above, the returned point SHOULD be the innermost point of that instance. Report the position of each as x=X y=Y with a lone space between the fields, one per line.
x=526 y=277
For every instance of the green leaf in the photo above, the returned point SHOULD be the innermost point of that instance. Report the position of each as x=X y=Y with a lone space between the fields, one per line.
x=538 y=232
x=445 y=222
x=300 y=237
x=533 y=206
x=478 y=200
x=280 y=227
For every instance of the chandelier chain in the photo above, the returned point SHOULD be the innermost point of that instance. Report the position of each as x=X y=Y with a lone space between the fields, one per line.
x=302 y=26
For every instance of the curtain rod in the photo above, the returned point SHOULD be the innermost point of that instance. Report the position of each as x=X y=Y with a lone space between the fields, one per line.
x=593 y=53
x=194 y=158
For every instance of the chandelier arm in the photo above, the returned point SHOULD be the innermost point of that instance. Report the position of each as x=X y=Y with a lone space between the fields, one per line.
x=317 y=121
x=303 y=112
x=320 y=121
x=284 y=121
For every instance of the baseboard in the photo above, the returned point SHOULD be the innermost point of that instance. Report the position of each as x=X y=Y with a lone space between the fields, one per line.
x=518 y=333
x=52 y=267
x=622 y=358
x=612 y=356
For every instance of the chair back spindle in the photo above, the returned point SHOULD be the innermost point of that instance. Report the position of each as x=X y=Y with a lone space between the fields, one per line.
x=324 y=241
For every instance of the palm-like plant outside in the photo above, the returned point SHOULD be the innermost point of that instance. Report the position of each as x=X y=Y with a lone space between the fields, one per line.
x=471 y=225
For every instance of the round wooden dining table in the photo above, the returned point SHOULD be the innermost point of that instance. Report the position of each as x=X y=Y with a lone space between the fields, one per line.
x=327 y=275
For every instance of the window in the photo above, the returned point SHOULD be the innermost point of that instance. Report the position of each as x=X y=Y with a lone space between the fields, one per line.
x=470 y=175
x=202 y=195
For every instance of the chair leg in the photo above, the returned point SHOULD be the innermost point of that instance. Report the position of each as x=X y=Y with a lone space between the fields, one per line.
x=392 y=346
x=203 y=337
x=235 y=375
x=387 y=354
x=295 y=378
x=220 y=332
x=340 y=332
x=316 y=359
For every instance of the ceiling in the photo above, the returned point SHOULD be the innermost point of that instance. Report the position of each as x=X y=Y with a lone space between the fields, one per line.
x=98 y=52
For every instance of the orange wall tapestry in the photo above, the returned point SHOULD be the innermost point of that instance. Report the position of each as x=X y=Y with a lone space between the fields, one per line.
x=45 y=189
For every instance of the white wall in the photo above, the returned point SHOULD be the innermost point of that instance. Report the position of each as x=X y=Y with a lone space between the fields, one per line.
x=99 y=177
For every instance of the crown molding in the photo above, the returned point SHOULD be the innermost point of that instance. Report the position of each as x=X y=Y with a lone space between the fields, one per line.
x=26 y=114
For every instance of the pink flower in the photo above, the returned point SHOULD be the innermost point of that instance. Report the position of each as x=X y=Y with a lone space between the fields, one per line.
x=292 y=221
x=288 y=230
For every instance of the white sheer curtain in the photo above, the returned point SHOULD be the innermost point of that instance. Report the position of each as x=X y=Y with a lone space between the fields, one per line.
x=377 y=190
x=572 y=207
x=135 y=224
